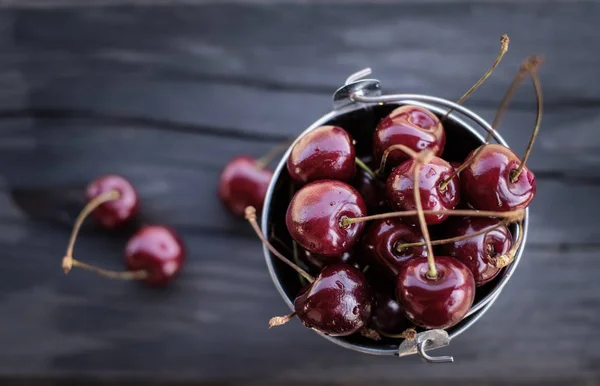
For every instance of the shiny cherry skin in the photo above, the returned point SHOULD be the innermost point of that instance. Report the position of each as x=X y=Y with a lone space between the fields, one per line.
x=435 y=303
x=324 y=153
x=400 y=188
x=477 y=252
x=243 y=183
x=372 y=190
x=337 y=303
x=315 y=213
x=115 y=213
x=411 y=126
x=388 y=315
x=158 y=250
x=382 y=238
x=487 y=182
x=316 y=262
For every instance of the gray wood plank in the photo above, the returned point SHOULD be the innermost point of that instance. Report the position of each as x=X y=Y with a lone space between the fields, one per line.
x=456 y=43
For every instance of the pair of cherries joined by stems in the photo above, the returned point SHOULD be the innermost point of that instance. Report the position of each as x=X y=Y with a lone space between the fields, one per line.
x=327 y=216
x=154 y=254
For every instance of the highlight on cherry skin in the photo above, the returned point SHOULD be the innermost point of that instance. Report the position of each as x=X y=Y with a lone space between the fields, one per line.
x=412 y=126
x=157 y=250
x=326 y=152
x=243 y=182
x=489 y=182
x=477 y=252
x=400 y=186
x=121 y=204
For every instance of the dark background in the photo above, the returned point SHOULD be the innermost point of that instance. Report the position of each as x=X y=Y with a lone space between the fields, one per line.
x=166 y=93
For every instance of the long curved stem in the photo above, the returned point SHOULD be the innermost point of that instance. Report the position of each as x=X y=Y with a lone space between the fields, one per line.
x=407 y=150
x=364 y=167
x=532 y=62
x=251 y=217
x=432 y=272
x=68 y=262
x=538 y=120
x=504 y=222
x=504 y=40
x=513 y=215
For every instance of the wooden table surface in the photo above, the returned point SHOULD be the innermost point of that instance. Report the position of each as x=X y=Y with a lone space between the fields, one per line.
x=167 y=94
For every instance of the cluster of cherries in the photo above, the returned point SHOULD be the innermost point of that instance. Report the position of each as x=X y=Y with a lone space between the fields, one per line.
x=154 y=254
x=361 y=237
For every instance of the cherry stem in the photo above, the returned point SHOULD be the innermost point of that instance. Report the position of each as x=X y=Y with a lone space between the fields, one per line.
x=407 y=150
x=364 y=167
x=508 y=257
x=408 y=334
x=297 y=260
x=68 y=262
x=532 y=62
x=538 y=95
x=251 y=217
x=504 y=40
x=281 y=320
x=369 y=333
x=432 y=272
x=504 y=222
x=263 y=161
x=513 y=215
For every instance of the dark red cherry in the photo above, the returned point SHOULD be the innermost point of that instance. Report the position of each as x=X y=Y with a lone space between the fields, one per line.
x=477 y=252
x=315 y=213
x=435 y=303
x=372 y=190
x=388 y=315
x=411 y=126
x=243 y=183
x=316 y=262
x=324 y=153
x=382 y=239
x=337 y=303
x=158 y=250
x=487 y=183
x=114 y=213
x=433 y=195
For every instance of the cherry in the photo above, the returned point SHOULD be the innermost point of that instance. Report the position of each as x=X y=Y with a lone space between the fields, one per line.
x=478 y=252
x=317 y=263
x=244 y=182
x=324 y=153
x=120 y=200
x=382 y=244
x=490 y=181
x=372 y=190
x=400 y=187
x=315 y=214
x=412 y=126
x=337 y=303
x=157 y=250
x=388 y=315
x=439 y=302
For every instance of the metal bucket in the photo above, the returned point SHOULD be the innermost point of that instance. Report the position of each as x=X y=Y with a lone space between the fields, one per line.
x=359 y=105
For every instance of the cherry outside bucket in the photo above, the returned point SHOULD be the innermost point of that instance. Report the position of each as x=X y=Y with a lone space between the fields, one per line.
x=358 y=107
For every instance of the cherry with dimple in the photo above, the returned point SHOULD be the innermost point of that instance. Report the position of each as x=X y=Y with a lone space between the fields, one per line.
x=113 y=199
x=158 y=250
x=412 y=126
x=382 y=243
x=478 y=252
x=400 y=186
x=337 y=302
